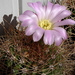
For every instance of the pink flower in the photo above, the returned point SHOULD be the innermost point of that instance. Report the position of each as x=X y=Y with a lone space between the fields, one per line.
x=46 y=22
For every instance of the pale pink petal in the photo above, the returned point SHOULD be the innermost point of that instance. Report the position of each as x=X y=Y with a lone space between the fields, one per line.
x=24 y=24
x=57 y=38
x=48 y=9
x=57 y=9
x=62 y=15
x=38 y=34
x=24 y=17
x=38 y=8
x=35 y=7
x=28 y=18
x=61 y=31
x=28 y=22
x=58 y=41
x=53 y=11
x=65 y=22
x=45 y=7
x=48 y=37
x=42 y=10
x=31 y=14
x=30 y=30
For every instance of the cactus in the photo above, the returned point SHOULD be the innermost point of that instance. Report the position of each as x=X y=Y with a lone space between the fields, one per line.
x=29 y=58
x=22 y=56
x=25 y=57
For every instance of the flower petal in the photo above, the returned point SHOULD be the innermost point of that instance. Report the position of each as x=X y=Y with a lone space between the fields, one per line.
x=24 y=17
x=57 y=9
x=61 y=31
x=30 y=30
x=53 y=11
x=27 y=23
x=42 y=10
x=38 y=8
x=48 y=37
x=65 y=22
x=62 y=15
x=48 y=9
x=57 y=38
x=28 y=18
x=38 y=34
x=31 y=14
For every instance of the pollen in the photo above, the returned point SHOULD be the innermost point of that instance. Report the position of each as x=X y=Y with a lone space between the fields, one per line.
x=45 y=24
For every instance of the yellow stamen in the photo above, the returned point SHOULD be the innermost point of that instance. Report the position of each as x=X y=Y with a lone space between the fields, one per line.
x=45 y=24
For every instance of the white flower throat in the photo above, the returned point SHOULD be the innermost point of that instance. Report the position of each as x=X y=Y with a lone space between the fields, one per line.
x=45 y=24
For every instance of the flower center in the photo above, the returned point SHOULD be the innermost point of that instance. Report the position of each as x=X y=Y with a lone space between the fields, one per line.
x=45 y=24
